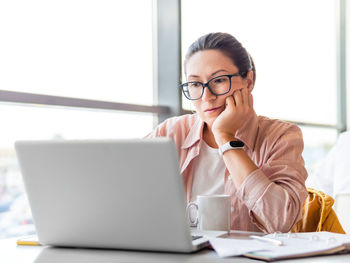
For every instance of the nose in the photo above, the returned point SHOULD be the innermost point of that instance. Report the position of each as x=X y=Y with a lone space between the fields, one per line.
x=207 y=95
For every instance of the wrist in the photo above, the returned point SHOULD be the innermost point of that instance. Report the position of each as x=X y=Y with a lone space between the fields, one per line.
x=231 y=145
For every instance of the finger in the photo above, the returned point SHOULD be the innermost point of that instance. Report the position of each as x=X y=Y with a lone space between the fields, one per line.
x=230 y=103
x=251 y=102
x=245 y=96
x=237 y=95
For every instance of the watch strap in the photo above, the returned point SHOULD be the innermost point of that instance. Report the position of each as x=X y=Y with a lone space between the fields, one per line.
x=231 y=145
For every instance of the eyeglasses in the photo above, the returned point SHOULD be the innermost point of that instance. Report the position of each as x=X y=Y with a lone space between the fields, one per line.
x=220 y=85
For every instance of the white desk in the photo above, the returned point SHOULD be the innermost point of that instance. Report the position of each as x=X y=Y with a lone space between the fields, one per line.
x=11 y=253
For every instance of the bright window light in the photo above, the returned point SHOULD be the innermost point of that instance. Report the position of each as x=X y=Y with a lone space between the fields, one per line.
x=89 y=49
x=293 y=46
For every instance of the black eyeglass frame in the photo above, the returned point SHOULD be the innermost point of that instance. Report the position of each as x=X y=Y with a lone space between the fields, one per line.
x=184 y=85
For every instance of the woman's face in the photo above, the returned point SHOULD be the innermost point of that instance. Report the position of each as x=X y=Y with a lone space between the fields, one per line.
x=205 y=65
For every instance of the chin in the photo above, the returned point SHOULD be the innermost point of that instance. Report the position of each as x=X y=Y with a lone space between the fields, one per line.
x=209 y=121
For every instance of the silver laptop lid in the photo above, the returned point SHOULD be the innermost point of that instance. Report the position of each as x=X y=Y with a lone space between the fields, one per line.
x=124 y=194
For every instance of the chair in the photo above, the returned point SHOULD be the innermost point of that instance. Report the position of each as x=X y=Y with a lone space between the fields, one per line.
x=318 y=215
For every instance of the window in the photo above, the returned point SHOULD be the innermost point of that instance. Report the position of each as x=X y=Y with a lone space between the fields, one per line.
x=99 y=50
x=96 y=50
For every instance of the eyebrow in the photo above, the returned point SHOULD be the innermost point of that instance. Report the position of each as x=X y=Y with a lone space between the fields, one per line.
x=212 y=74
x=216 y=72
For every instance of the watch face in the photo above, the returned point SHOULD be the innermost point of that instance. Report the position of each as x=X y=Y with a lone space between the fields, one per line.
x=236 y=144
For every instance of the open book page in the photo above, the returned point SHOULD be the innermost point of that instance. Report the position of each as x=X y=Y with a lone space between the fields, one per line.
x=292 y=245
x=302 y=245
x=228 y=247
x=328 y=236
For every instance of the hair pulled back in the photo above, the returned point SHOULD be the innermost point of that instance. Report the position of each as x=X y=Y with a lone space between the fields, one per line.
x=227 y=44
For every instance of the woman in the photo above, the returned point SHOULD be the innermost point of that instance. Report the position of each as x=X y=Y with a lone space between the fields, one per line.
x=259 y=162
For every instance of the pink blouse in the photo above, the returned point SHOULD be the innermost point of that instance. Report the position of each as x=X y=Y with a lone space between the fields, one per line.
x=271 y=197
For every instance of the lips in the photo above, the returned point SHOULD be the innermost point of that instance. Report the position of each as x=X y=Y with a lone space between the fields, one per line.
x=212 y=109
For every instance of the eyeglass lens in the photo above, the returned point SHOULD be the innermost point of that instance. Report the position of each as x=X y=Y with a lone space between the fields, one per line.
x=218 y=86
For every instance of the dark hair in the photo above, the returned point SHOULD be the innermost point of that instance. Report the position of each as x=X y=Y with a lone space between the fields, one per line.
x=230 y=46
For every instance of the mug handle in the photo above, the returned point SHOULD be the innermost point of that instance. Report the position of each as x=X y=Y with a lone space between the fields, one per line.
x=195 y=222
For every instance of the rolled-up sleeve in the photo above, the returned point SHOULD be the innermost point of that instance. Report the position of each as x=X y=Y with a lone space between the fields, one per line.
x=275 y=193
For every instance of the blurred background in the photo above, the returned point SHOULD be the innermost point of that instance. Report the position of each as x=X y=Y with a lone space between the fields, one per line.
x=89 y=69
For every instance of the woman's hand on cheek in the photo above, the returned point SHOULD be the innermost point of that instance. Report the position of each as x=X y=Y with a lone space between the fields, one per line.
x=239 y=107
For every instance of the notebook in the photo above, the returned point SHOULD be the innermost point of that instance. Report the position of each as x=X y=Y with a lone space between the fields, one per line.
x=297 y=245
x=292 y=245
x=123 y=194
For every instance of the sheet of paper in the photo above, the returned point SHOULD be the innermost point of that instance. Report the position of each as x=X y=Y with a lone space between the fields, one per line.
x=299 y=247
x=228 y=247
x=316 y=236
x=301 y=244
x=294 y=245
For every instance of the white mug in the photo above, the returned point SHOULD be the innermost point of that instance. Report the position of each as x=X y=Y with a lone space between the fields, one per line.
x=212 y=212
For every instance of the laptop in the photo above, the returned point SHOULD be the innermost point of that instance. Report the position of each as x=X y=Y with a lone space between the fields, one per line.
x=114 y=194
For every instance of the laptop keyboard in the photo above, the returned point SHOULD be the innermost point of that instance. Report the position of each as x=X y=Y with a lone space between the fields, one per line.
x=196 y=237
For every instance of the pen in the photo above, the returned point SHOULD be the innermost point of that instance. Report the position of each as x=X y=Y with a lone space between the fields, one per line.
x=266 y=239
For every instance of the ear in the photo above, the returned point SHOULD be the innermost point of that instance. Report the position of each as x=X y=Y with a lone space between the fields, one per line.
x=249 y=79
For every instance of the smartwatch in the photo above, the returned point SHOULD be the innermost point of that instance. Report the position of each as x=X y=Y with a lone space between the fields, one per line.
x=231 y=145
